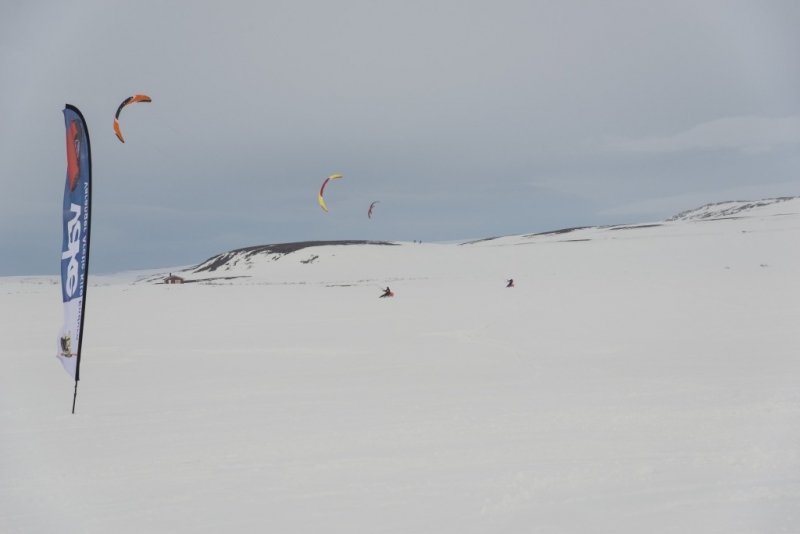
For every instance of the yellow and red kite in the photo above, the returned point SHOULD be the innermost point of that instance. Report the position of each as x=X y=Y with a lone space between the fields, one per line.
x=322 y=189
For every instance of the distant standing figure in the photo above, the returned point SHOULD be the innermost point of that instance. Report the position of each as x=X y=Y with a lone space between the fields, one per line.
x=510 y=283
x=387 y=293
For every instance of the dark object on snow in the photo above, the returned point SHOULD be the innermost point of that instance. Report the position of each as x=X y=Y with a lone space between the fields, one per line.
x=386 y=293
x=172 y=279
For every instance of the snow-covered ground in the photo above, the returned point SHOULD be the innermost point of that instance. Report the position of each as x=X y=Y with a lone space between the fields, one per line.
x=638 y=379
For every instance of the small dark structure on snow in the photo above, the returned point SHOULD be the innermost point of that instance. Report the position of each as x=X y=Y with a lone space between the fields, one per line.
x=173 y=279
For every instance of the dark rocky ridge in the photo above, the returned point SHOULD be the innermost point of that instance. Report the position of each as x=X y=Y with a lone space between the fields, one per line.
x=220 y=260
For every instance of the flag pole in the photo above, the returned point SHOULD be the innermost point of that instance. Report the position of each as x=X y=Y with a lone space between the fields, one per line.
x=74 y=397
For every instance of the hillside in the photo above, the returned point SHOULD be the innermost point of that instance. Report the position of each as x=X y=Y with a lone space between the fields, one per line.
x=317 y=260
x=739 y=208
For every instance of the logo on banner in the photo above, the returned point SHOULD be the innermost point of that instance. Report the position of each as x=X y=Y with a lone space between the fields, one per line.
x=74 y=140
x=73 y=247
x=66 y=346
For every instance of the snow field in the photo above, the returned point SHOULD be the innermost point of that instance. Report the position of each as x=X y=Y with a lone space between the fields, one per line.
x=635 y=380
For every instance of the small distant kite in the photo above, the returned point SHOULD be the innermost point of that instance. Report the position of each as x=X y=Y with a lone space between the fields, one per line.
x=369 y=213
x=322 y=189
x=130 y=100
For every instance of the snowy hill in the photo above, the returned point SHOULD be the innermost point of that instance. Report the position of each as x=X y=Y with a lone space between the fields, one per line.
x=738 y=208
x=638 y=378
x=230 y=260
x=372 y=261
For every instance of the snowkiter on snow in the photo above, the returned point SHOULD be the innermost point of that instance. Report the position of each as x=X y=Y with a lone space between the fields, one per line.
x=387 y=293
x=510 y=283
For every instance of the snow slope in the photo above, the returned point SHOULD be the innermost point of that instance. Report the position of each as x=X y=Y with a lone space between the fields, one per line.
x=740 y=208
x=638 y=378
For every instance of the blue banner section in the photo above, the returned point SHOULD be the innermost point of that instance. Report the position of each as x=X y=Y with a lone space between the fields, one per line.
x=75 y=243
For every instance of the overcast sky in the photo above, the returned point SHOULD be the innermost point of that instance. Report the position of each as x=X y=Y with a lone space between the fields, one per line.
x=464 y=119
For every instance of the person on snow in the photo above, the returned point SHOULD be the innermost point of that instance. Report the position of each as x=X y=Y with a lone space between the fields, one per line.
x=387 y=293
x=510 y=283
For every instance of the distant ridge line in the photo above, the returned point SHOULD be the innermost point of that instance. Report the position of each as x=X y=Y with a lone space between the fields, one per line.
x=717 y=210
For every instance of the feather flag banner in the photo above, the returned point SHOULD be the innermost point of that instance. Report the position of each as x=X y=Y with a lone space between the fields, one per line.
x=75 y=242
